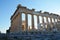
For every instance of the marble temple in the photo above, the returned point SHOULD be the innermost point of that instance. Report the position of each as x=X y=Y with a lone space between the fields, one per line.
x=18 y=25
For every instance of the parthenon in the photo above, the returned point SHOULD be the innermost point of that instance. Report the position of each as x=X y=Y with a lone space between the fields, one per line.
x=17 y=25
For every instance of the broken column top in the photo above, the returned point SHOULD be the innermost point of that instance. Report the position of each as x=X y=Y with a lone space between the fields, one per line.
x=20 y=6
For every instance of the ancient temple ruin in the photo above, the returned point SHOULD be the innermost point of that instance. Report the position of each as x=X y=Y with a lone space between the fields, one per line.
x=17 y=25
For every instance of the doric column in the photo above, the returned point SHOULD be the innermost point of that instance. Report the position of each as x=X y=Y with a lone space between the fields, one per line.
x=37 y=19
x=42 y=19
x=32 y=20
x=57 y=20
x=38 y=23
x=51 y=24
x=43 y=24
x=20 y=22
x=26 y=18
x=50 y=19
x=54 y=20
x=47 y=19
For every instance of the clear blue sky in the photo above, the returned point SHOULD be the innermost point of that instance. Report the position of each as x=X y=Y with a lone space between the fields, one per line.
x=7 y=8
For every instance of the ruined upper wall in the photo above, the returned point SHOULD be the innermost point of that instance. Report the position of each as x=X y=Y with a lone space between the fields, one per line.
x=23 y=9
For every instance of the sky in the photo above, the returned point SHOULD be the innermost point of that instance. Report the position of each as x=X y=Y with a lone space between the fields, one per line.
x=8 y=7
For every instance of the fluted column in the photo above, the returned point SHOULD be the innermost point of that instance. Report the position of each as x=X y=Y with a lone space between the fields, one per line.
x=42 y=19
x=20 y=22
x=54 y=20
x=38 y=22
x=57 y=20
x=43 y=23
x=26 y=18
x=54 y=26
x=32 y=21
x=47 y=19
x=50 y=19
x=37 y=19
x=51 y=23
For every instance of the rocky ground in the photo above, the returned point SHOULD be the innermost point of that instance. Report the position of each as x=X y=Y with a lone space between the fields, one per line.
x=30 y=36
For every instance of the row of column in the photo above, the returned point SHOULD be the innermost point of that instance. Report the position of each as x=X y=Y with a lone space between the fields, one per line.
x=26 y=18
